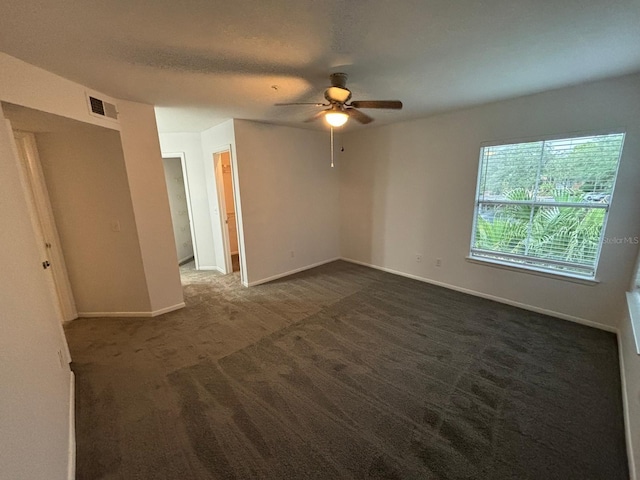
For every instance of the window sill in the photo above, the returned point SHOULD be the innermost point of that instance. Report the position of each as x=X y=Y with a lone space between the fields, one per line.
x=534 y=271
x=633 y=302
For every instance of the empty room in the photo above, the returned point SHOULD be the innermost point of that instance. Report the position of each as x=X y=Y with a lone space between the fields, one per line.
x=320 y=240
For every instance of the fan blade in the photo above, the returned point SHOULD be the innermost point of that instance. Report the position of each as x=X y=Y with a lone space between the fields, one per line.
x=392 y=104
x=317 y=104
x=318 y=115
x=358 y=115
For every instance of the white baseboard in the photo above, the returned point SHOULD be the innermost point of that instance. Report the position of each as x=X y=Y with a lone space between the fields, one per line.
x=153 y=313
x=475 y=293
x=207 y=267
x=625 y=410
x=290 y=272
x=221 y=270
x=171 y=308
x=113 y=314
x=71 y=452
x=182 y=261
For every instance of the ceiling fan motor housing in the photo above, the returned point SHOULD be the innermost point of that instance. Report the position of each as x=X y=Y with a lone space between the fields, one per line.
x=339 y=80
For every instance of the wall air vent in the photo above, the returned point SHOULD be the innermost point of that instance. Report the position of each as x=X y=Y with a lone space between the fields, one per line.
x=100 y=108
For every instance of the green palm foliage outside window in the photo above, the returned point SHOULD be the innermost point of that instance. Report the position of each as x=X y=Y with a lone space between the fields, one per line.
x=544 y=204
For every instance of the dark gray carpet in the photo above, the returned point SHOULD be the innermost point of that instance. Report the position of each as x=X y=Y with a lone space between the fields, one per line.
x=344 y=372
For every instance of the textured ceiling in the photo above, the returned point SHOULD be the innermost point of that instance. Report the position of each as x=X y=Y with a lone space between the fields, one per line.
x=202 y=62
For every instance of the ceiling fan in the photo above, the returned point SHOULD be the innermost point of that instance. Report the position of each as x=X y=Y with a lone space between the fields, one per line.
x=340 y=108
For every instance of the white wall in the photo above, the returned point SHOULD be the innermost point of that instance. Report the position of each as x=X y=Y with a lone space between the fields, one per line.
x=26 y=85
x=630 y=364
x=217 y=139
x=34 y=396
x=174 y=178
x=34 y=438
x=409 y=189
x=84 y=169
x=191 y=145
x=289 y=198
x=30 y=86
x=145 y=172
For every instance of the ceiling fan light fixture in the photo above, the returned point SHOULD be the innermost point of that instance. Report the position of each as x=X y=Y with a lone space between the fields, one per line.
x=337 y=98
x=337 y=94
x=336 y=119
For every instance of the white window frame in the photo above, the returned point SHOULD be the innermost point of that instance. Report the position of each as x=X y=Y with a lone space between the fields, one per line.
x=486 y=258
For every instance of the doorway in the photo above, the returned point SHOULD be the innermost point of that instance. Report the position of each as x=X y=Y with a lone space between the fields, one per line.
x=227 y=208
x=44 y=223
x=180 y=207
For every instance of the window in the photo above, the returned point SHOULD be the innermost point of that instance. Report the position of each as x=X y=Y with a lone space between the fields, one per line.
x=543 y=205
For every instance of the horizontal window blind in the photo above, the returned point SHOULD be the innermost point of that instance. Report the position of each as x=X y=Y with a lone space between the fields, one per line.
x=544 y=204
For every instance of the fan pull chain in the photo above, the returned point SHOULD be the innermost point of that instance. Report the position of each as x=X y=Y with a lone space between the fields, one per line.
x=331 y=147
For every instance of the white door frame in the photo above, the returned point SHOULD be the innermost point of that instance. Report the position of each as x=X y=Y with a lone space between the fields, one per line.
x=222 y=209
x=185 y=178
x=37 y=228
x=45 y=224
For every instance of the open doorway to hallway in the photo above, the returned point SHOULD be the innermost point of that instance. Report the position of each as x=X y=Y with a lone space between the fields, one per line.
x=180 y=207
x=227 y=207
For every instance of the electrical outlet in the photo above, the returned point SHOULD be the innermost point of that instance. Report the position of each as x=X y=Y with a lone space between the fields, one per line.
x=438 y=262
x=418 y=258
